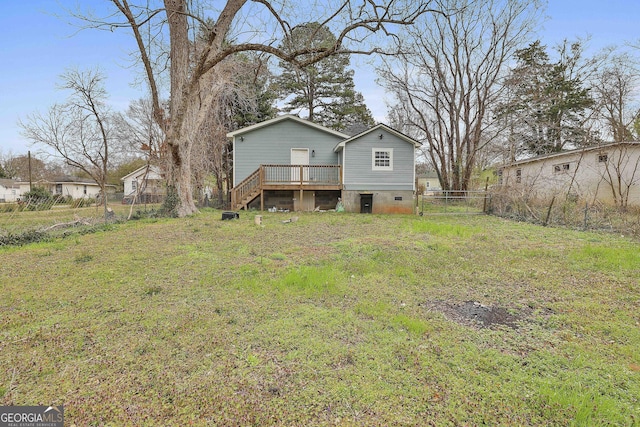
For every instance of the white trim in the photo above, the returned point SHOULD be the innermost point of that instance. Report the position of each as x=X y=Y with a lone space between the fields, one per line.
x=281 y=118
x=152 y=168
x=376 y=128
x=344 y=162
x=374 y=167
x=233 y=167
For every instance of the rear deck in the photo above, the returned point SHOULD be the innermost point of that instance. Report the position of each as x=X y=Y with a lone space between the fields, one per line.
x=299 y=178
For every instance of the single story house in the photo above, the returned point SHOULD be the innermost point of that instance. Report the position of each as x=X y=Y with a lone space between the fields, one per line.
x=145 y=184
x=9 y=191
x=608 y=173
x=76 y=188
x=291 y=163
x=428 y=182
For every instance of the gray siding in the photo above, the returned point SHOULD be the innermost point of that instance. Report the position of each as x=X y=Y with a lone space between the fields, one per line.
x=273 y=144
x=358 y=168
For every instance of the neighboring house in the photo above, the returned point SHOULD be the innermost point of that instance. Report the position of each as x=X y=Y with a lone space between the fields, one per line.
x=9 y=191
x=291 y=163
x=145 y=184
x=428 y=182
x=76 y=188
x=608 y=173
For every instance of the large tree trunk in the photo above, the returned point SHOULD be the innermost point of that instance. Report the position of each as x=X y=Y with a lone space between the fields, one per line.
x=179 y=170
x=180 y=179
x=191 y=97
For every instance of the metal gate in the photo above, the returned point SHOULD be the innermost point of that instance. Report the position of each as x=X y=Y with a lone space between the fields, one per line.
x=453 y=202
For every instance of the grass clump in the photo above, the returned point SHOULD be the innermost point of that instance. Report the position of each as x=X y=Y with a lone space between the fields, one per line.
x=608 y=258
x=311 y=280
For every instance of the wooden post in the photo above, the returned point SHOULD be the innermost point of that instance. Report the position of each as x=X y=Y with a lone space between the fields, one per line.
x=300 y=207
x=484 y=205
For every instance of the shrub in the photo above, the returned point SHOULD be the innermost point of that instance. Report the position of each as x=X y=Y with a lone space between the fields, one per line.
x=32 y=236
x=37 y=193
x=37 y=199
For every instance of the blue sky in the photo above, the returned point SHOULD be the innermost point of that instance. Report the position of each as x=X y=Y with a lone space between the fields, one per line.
x=36 y=46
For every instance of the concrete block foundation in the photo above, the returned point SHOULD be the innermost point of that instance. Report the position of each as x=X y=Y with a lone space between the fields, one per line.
x=379 y=202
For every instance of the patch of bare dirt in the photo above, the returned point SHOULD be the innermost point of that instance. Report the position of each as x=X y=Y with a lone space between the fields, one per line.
x=473 y=313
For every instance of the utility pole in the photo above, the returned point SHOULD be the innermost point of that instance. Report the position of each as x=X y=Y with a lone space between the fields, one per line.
x=29 y=162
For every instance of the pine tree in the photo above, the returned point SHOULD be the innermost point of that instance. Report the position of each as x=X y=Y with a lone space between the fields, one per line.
x=325 y=90
x=547 y=104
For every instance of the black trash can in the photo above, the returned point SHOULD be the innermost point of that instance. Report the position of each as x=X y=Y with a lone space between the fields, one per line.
x=230 y=215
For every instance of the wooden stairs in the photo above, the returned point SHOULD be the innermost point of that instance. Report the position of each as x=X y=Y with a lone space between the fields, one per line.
x=243 y=193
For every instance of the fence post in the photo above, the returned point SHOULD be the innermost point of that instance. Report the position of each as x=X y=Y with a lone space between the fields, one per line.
x=484 y=203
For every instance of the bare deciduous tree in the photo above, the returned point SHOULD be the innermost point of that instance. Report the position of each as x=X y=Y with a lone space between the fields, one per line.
x=139 y=133
x=622 y=172
x=211 y=149
x=615 y=90
x=447 y=78
x=79 y=131
x=190 y=94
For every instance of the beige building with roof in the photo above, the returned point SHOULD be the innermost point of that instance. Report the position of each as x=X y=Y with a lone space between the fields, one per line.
x=607 y=173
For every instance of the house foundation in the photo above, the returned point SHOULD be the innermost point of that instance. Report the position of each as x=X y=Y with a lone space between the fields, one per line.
x=379 y=202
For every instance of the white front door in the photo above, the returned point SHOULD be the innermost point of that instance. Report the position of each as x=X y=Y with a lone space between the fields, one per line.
x=299 y=156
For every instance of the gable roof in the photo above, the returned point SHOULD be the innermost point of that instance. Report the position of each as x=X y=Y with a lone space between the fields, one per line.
x=8 y=183
x=62 y=180
x=152 y=168
x=68 y=179
x=570 y=152
x=376 y=128
x=283 y=118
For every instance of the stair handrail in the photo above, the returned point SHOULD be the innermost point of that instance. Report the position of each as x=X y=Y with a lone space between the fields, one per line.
x=245 y=187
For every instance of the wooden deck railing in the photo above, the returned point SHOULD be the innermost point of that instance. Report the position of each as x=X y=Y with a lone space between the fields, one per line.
x=301 y=174
x=283 y=175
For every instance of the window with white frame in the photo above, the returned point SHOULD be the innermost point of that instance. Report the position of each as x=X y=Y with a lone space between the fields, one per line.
x=382 y=159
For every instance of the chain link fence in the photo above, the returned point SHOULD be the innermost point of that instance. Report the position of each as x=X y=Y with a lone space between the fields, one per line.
x=569 y=212
x=58 y=214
